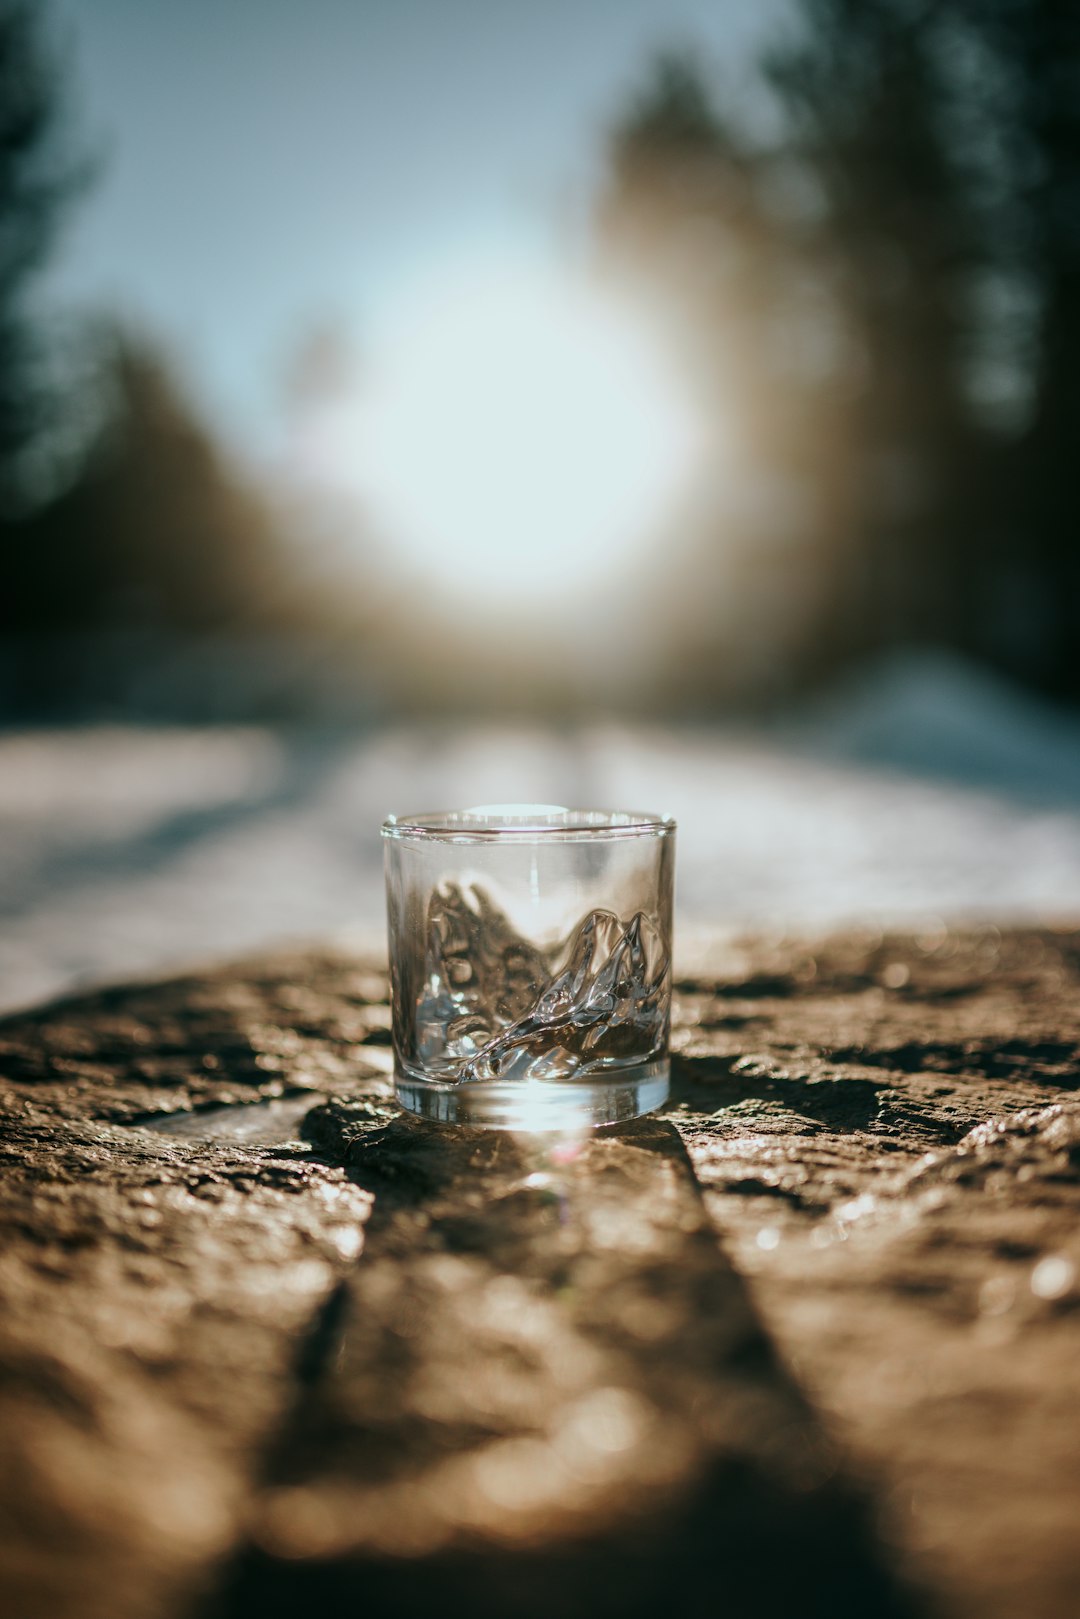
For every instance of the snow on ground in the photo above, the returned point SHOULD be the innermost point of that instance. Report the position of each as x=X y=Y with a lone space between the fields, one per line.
x=926 y=793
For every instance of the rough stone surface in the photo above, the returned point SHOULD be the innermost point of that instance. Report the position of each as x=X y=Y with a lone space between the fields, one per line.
x=809 y=1342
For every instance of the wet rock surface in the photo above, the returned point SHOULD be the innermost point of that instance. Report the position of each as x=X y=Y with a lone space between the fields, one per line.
x=809 y=1342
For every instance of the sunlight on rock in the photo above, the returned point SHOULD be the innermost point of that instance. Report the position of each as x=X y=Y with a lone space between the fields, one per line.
x=1053 y=1277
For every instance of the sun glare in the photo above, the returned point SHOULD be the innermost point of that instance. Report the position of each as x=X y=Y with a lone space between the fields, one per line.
x=520 y=435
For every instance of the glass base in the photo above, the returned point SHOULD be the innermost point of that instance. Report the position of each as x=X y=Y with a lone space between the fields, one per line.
x=564 y=1105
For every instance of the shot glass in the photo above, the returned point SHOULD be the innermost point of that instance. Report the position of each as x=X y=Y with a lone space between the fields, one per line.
x=530 y=964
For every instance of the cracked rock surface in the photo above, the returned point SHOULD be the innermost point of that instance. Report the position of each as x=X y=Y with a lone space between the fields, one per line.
x=807 y=1342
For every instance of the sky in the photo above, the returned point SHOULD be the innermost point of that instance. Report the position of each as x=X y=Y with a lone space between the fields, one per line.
x=267 y=167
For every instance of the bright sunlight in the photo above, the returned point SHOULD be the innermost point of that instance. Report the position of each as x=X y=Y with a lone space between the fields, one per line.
x=520 y=435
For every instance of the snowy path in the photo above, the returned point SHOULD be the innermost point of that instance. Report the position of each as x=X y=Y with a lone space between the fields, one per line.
x=127 y=851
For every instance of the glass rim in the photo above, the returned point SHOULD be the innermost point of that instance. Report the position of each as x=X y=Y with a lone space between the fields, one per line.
x=498 y=823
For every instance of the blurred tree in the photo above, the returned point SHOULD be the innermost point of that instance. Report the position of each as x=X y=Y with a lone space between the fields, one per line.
x=852 y=282
x=37 y=178
x=685 y=210
x=153 y=530
x=119 y=512
x=683 y=204
x=1033 y=47
x=864 y=94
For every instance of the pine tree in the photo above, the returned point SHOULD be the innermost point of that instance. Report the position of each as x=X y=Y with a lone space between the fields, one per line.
x=37 y=178
x=154 y=529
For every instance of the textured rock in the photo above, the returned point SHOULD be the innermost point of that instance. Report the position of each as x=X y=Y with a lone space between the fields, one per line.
x=548 y=1392
x=808 y=1343
x=890 y=1146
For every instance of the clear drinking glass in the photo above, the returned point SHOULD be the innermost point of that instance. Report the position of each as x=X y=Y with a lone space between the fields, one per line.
x=530 y=964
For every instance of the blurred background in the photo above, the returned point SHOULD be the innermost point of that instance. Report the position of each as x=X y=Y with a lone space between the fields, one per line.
x=667 y=403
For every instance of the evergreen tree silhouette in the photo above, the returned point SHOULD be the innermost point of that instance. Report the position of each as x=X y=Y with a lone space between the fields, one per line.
x=38 y=176
x=925 y=173
x=154 y=530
